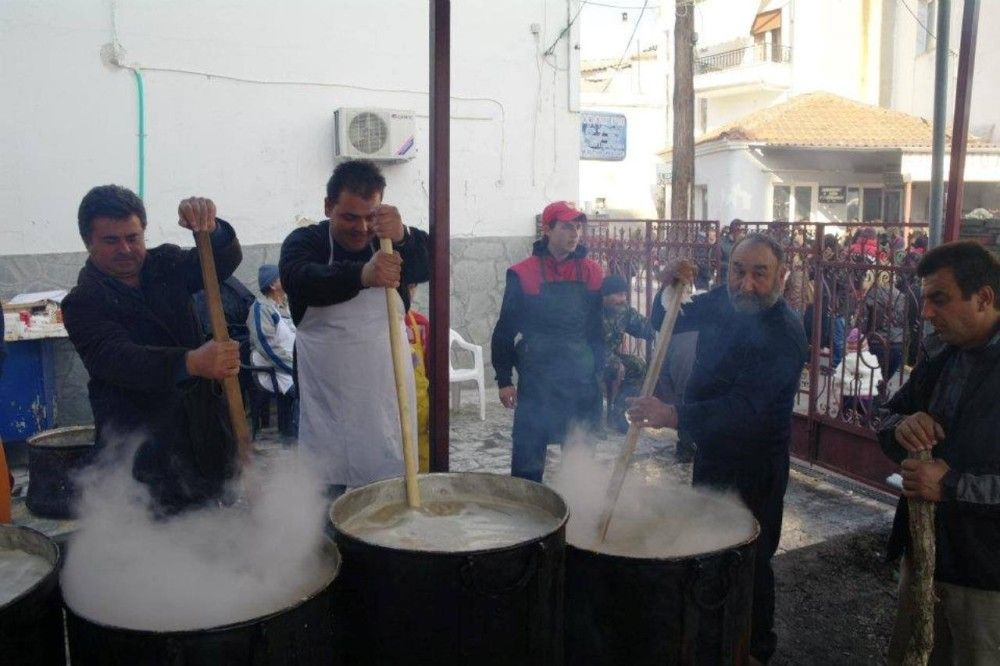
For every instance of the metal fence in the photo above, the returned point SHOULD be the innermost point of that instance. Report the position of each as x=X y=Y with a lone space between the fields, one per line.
x=638 y=250
x=749 y=55
x=859 y=299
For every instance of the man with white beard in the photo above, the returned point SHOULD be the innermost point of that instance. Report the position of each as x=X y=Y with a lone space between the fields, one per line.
x=738 y=401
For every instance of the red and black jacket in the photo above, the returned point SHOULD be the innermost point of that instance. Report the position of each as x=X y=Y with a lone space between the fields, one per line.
x=525 y=281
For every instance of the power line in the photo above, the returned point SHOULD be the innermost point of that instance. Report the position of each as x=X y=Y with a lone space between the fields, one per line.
x=921 y=23
x=569 y=25
x=627 y=46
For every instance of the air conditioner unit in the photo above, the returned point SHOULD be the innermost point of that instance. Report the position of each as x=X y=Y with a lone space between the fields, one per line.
x=375 y=134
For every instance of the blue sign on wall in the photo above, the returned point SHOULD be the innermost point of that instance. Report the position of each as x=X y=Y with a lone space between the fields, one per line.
x=602 y=136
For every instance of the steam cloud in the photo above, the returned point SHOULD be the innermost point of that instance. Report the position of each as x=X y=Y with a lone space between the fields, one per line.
x=651 y=520
x=200 y=569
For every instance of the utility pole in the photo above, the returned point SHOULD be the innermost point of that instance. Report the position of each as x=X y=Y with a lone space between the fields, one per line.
x=683 y=142
x=960 y=127
x=940 y=118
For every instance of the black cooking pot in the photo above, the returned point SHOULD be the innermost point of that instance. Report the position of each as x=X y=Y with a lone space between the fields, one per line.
x=633 y=610
x=301 y=634
x=54 y=456
x=31 y=625
x=496 y=606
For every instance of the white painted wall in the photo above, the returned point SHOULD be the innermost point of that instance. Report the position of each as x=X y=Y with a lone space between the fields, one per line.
x=728 y=109
x=913 y=73
x=979 y=167
x=264 y=150
x=628 y=185
x=640 y=94
x=737 y=183
x=835 y=46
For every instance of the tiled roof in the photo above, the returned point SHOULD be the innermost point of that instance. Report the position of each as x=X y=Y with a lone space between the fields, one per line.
x=823 y=120
x=599 y=64
x=588 y=66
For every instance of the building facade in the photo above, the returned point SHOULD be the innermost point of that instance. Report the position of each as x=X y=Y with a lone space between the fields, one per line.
x=755 y=55
x=238 y=104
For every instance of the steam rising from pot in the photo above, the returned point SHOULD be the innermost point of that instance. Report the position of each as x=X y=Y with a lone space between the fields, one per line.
x=205 y=568
x=661 y=520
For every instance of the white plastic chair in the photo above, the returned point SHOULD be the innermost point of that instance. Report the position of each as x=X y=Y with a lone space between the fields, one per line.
x=458 y=375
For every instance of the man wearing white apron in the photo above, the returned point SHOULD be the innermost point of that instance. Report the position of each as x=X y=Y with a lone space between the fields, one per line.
x=335 y=278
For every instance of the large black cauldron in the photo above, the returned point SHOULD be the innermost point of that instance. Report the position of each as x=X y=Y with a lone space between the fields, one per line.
x=300 y=635
x=499 y=606
x=631 y=610
x=31 y=626
x=54 y=456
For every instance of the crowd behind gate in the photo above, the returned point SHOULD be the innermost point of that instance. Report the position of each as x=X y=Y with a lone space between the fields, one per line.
x=861 y=277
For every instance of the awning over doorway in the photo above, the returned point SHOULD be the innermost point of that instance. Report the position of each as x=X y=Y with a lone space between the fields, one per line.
x=766 y=22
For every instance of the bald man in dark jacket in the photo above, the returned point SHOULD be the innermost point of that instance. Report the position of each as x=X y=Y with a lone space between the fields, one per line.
x=738 y=401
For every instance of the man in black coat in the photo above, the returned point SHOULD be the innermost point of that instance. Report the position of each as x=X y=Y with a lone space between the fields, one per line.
x=132 y=320
x=949 y=407
x=738 y=402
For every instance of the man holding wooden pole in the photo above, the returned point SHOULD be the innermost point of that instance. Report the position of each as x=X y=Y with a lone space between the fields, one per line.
x=152 y=375
x=737 y=404
x=948 y=408
x=336 y=277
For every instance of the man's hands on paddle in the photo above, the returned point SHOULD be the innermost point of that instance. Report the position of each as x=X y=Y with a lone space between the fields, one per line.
x=919 y=432
x=922 y=478
x=678 y=270
x=386 y=222
x=214 y=360
x=197 y=214
x=651 y=413
x=384 y=269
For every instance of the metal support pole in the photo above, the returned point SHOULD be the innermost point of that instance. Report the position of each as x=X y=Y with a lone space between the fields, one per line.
x=440 y=228
x=960 y=127
x=940 y=113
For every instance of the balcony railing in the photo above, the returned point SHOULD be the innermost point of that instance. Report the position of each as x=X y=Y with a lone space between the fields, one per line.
x=750 y=55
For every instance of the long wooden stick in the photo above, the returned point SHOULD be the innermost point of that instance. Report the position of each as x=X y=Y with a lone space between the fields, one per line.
x=921 y=590
x=230 y=385
x=648 y=385
x=400 y=356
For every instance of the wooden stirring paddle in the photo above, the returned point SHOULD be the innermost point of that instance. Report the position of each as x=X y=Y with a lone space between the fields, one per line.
x=230 y=385
x=648 y=385
x=400 y=357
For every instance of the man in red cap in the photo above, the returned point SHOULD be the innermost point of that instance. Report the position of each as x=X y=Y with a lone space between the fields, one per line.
x=553 y=300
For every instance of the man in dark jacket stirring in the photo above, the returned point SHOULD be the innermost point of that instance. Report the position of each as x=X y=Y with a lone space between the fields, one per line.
x=553 y=300
x=949 y=406
x=738 y=401
x=336 y=278
x=132 y=320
